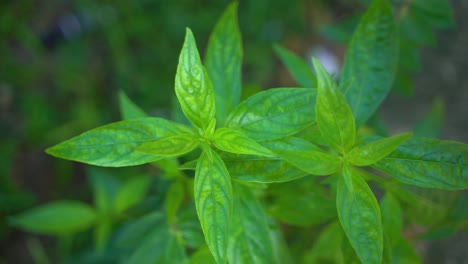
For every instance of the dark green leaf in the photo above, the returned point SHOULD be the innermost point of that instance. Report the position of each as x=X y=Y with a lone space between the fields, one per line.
x=334 y=117
x=249 y=240
x=305 y=156
x=171 y=146
x=261 y=169
x=431 y=124
x=223 y=62
x=131 y=192
x=114 y=145
x=297 y=67
x=375 y=151
x=202 y=255
x=359 y=215
x=429 y=163
x=275 y=113
x=56 y=218
x=213 y=200
x=174 y=198
x=129 y=109
x=193 y=86
x=392 y=218
x=371 y=61
x=234 y=141
x=327 y=247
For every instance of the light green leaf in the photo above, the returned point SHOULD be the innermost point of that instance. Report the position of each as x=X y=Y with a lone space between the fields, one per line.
x=56 y=218
x=114 y=145
x=193 y=86
x=213 y=200
x=202 y=255
x=371 y=61
x=249 y=240
x=375 y=151
x=174 y=198
x=131 y=192
x=359 y=215
x=171 y=146
x=334 y=117
x=429 y=163
x=348 y=177
x=297 y=67
x=392 y=220
x=305 y=156
x=234 y=141
x=327 y=247
x=261 y=169
x=129 y=109
x=274 y=114
x=223 y=62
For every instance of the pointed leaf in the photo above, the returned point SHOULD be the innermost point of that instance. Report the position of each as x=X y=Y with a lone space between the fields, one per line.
x=375 y=151
x=56 y=218
x=305 y=156
x=274 y=114
x=359 y=215
x=334 y=117
x=171 y=146
x=371 y=61
x=129 y=109
x=249 y=240
x=193 y=86
x=213 y=200
x=429 y=163
x=223 y=62
x=114 y=145
x=297 y=67
x=234 y=141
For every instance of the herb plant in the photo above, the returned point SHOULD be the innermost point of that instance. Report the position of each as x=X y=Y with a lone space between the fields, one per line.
x=265 y=152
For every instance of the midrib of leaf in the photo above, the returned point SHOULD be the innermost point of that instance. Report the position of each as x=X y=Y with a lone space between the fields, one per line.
x=339 y=131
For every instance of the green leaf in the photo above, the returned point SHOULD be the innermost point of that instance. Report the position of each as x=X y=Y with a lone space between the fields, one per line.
x=234 y=141
x=261 y=169
x=392 y=219
x=56 y=218
x=274 y=114
x=193 y=86
x=223 y=62
x=371 y=61
x=296 y=66
x=429 y=163
x=131 y=192
x=359 y=215
x=375 y=151
x=134 y=231
x=174 y=199
x=114 y=145
x=129 y=109
x=171 y=146
x=431 y=125
x=303 y=203
x=249 y=240
x=334 y=117
x=327 y=247
x=202 y=255
x=213 y=200
x=305 y=156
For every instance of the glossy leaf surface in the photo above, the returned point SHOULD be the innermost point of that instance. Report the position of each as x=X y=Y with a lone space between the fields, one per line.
x=334 y=117
x=193 y=86
x=56 y=218
x=223 y=62
x=429 y=163
x=234 y=141
x=375 y=151
x=359 y=215
x=114 y=145
x=274 y=113
x=213 y=200
x=249 y=240
x=371 y=61
x=171 y=146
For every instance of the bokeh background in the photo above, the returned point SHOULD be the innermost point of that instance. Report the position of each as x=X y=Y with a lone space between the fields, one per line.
x=62 y=64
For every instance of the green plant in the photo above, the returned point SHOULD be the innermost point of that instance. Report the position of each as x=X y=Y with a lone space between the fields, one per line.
x=271 y=147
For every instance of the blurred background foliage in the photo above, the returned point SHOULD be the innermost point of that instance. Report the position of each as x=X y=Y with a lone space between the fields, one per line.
x=62 y=64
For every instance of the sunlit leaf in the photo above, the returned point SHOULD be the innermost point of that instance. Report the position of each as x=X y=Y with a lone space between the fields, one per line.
x=234 y=141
